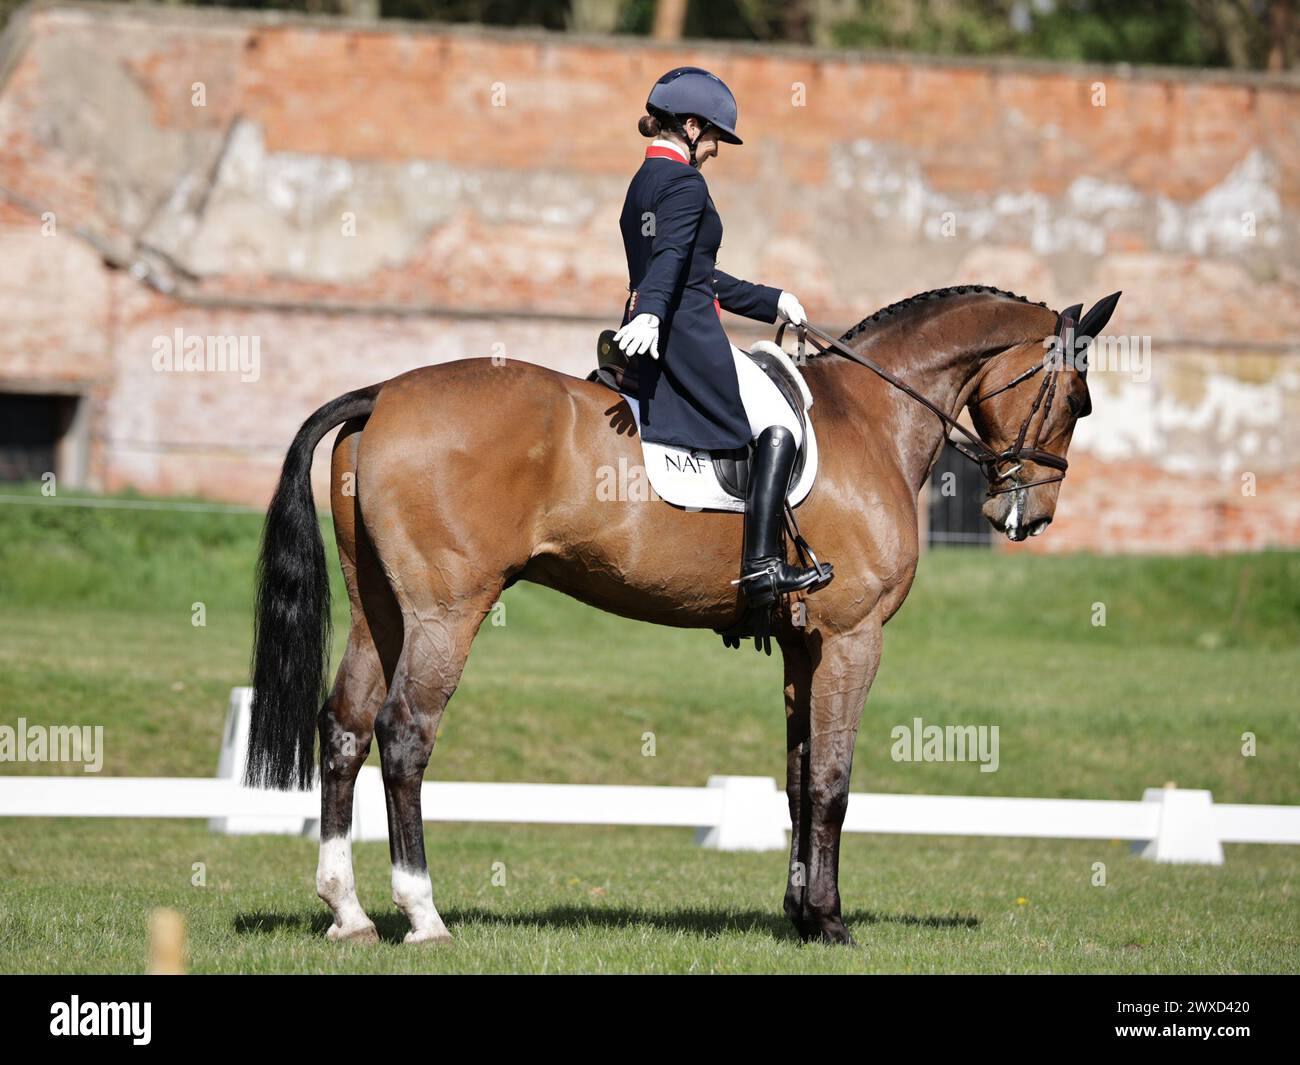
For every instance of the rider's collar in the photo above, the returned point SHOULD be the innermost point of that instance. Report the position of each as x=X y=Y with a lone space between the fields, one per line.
x=662 y=148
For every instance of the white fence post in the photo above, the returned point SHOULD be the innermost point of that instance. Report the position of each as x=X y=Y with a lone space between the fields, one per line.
x=369 y=809
x=230 y=766
x=1186 y=831
x=750 y=818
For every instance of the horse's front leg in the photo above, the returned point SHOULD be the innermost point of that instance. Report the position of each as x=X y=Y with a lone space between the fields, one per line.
x=843 y=668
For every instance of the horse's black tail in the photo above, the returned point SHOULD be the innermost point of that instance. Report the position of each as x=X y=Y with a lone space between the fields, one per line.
x=291 y=630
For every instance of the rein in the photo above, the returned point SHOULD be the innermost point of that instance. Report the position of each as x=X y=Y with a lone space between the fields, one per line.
x=972 y=447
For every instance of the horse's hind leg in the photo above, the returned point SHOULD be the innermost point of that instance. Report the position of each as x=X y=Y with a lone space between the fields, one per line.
x=348 y=717
x=346 y=727
x=435 y=647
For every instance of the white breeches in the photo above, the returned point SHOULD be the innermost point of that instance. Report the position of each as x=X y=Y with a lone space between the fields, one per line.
x=764 y=405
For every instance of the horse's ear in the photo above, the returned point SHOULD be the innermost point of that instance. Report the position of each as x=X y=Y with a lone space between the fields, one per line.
x=1095 y=320
x=1070 y=317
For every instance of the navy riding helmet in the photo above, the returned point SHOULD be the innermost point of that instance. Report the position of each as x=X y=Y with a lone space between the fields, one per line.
x=693 y=91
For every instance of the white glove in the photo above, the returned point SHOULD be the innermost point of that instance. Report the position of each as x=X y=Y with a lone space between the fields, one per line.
x=789 y=306
x=640 y=335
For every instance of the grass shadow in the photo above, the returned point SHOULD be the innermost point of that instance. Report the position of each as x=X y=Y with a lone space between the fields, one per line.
x=260 y=922
x=954 y=920
x=705 y=923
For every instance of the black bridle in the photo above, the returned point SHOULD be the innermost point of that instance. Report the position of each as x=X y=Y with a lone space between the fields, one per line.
x=973 y=447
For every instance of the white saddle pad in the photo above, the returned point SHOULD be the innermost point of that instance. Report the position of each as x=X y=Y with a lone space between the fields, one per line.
x=684 y=476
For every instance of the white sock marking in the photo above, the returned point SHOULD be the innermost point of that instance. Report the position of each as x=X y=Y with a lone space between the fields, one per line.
x=413 y=894
x=337 y=886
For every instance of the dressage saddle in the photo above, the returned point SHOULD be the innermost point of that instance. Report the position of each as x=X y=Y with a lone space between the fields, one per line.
x=616 y=371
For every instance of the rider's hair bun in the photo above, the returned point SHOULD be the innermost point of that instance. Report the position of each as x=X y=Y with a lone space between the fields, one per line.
x=649 y=126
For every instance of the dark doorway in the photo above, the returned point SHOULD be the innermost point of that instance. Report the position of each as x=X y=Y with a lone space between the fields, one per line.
x=31 y=428
x=956 y=494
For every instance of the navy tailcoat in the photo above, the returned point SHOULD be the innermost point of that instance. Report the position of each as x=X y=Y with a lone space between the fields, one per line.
x=671 y=233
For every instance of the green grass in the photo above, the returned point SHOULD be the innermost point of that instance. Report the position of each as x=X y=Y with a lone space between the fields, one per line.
x=644 y=900
x=95 y=628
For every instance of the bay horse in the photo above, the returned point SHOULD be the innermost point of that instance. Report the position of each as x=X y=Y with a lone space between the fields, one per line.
x=452 y=482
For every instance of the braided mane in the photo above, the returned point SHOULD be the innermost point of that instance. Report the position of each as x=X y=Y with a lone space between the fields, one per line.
x=934 y=294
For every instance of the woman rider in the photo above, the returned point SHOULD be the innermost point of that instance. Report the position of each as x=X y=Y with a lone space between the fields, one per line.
x=691 y=385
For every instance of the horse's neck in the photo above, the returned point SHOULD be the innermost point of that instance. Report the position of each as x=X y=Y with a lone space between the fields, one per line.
x=945 y=373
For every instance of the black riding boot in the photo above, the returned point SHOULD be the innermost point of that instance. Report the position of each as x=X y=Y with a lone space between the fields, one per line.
x=764 y=574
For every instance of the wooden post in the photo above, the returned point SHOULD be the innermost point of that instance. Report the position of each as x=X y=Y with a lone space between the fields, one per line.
x=166 y=943
x=1279 y=28
x=670 y=20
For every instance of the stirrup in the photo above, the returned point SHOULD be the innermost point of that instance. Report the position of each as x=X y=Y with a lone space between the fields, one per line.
x=761 y=587
x=805 y=552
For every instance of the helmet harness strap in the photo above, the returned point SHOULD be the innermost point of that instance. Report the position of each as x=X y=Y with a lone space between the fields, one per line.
x=679 y=127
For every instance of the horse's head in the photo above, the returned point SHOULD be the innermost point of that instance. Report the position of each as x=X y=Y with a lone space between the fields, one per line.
x=1024 y=408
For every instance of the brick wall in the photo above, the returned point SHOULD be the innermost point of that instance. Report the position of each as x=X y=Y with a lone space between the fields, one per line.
x=367 y=198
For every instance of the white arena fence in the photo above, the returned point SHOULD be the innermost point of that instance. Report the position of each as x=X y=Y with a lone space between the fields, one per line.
x=731 y=813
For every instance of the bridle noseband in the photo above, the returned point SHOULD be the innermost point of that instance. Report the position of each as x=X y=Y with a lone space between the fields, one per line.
x=973 y=447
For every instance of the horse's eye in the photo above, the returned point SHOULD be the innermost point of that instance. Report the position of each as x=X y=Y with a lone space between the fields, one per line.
x=1080 y=406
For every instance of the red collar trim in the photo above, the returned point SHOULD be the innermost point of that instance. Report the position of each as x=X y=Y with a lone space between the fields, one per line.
x=655 y=152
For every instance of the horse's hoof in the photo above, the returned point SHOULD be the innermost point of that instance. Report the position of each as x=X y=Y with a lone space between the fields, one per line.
x=437 y=937
x=831 y=933
x=365 y=933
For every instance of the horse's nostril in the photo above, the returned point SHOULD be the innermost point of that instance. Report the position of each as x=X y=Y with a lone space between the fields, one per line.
x=1036 y=527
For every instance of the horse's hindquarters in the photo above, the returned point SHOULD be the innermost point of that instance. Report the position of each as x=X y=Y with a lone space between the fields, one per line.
x=471 y=474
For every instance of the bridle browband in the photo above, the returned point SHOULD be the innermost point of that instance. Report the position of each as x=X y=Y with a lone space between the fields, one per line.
x=973 y=447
